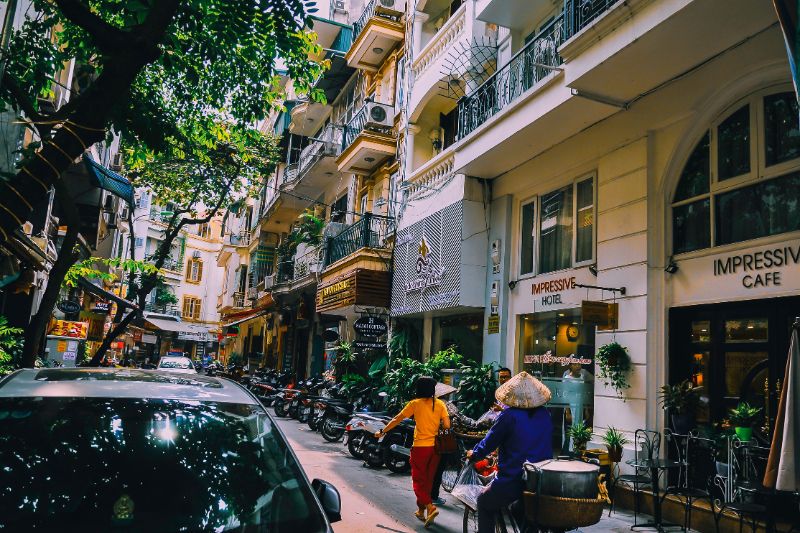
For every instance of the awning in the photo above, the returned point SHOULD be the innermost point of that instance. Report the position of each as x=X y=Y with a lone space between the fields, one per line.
x=185 y=330
x=88 y=286
x=239 y=320
x=108 y=180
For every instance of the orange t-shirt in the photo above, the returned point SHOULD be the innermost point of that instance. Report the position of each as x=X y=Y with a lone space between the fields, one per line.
x=427 y=419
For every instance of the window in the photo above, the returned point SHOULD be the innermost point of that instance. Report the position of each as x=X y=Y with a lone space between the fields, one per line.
x=753 y=190
x=563 y=220
x=138 y=242
x=339 y=209
x=191 y=308
x=194 y=270
x=204 y=231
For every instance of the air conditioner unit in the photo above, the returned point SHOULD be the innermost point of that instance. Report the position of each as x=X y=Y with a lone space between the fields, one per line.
x=269 y=281
x=124 y=213
x=252 y=293
x=196 y=254
x=116 y=161
x=379 y=115
x=338 y=5
x=393 y=6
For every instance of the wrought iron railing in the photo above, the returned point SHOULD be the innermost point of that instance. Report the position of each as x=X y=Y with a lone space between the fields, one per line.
x=527 y=68
x=368 y=13
x=371 y=231
x=308 y=262
x=327 y=144
x=582 y=12
x=361 y=121
x=162 y=309
x=173 y=264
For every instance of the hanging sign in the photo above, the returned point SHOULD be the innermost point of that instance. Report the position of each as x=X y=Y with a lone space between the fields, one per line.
x=68 y=306
x=66 y=328
x=369 y=345
x=604 y=315
x=370 y=326
x=101 y=307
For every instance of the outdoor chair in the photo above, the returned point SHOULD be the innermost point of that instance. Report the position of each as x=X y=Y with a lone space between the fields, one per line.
x=647 y=445
x=696 y=473
x=750 y=498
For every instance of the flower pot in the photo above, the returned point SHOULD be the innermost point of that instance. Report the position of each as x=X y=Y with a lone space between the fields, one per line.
x=682 y=423
x=744 y=434
x=614 y=453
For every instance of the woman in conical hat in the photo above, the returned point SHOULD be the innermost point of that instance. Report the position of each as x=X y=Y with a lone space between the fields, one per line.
x=522 y=432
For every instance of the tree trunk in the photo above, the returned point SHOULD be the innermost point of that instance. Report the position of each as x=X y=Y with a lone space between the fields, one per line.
x=35 y=332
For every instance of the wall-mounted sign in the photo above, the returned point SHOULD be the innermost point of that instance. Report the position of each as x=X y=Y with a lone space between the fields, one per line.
x=758 y=269
x=370 y=326
x=68 y=306
x=549 y=358
x=550 y=290
x=67 y=328
x=197 y=336
x=101 y=306
x=137 y=336
x=604 y=315
x=369 y=345
x=428 y=275
x=361 y=286
x=494 y=324
x=148 y=338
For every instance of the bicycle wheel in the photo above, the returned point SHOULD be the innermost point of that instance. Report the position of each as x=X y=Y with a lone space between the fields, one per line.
x=451 y=470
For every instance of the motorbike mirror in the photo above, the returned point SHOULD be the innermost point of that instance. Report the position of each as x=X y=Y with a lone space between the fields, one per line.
x=329 y=498
x=383 y=394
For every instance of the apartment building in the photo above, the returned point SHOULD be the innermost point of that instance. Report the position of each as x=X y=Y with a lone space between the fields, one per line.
x=181 y=314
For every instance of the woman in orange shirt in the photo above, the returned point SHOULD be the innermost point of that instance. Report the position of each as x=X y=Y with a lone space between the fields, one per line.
x=429 y=415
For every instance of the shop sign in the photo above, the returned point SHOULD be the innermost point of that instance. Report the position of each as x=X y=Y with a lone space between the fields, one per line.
x=67 y=328
x=370 y=326
x=494 y=324
x=437 y=300
x=137 y=336
x=758 y=269
x=336 y=293
x=69 y=356
x=175 y=353
x=148 y=338
x=604 y=315
x=68 y=306
x=197 y=336
x=549 y=358
x=101 y=307
x=428 y=275
x=369 y=345
x=550 y=290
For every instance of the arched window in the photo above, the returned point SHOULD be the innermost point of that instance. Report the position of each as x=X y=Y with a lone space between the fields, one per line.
x=742 y=180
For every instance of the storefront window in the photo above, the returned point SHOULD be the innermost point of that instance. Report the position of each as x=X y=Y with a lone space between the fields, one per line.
x=465 y=332
x=759 y=202
x=559 y=350
x=738 y=365
x=747 y=330
x=701 y=331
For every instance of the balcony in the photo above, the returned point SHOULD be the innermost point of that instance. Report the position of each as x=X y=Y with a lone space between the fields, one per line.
x=431 y=176
x=368 y=139
x=170 y=310
x=173 y=265
x=304 y=263
x=376 y=32
x=528 y=67
x=239 y=239
x=371 y=231
x=316 y=163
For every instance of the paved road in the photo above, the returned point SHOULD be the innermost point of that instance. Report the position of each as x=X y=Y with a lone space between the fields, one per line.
x=372 y=500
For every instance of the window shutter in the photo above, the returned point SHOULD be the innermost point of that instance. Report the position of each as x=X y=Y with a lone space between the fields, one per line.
x=186 y=307
x=199 y=270
x=197 y=304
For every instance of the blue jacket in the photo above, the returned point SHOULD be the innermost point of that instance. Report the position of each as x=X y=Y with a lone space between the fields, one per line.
x=521 y=435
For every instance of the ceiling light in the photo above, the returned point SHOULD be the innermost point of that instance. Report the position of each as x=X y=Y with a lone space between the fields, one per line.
x=369 y=159
x=329 y=173
x=560 y=314
x=377 y=50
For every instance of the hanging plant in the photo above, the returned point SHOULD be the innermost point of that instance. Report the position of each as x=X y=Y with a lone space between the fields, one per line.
x=615 y=366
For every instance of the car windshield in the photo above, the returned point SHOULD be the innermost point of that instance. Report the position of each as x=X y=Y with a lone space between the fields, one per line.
x=175 y=363
x=100 y=464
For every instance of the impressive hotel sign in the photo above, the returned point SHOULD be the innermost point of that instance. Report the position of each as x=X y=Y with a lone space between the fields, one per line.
x=762 y=271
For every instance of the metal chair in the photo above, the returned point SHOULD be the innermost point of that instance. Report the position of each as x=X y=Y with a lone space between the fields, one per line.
x=696 y=457
x=750 y=497
x=647 y=446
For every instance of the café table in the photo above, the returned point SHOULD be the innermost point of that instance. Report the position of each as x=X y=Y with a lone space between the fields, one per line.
x=655 y=467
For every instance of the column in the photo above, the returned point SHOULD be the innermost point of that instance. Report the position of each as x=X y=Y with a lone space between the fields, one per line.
x=419 y=19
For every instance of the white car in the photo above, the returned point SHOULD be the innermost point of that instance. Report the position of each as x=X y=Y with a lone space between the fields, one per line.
x=182 y=365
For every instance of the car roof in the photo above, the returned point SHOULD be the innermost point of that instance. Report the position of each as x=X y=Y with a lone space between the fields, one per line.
x=174 y=357
x=121 y=383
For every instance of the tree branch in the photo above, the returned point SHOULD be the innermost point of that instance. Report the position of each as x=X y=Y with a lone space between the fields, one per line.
x=21 y=98
x=108 y=38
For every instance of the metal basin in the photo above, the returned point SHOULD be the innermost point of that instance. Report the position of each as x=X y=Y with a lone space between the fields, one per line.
x=564 y=478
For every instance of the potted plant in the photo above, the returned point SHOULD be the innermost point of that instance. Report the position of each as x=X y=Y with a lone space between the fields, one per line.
x=743 y=417
x=614 y=440
x=681 y=401
x=581 y=435
x=615 y=366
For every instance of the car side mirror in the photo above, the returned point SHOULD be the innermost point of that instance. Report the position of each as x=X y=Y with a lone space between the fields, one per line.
x=329 y=498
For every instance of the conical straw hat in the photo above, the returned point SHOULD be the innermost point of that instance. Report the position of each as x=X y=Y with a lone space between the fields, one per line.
x=523 y=391
x=443 y=389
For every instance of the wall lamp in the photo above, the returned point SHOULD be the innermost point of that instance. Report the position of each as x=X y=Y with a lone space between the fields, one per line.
x=671 y=267
x=512 y=284
x=593 y=270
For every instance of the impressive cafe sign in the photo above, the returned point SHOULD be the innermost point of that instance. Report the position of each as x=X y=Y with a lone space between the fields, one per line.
x=770 y=270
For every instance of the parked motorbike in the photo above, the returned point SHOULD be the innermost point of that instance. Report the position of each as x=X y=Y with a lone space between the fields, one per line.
x=393 y=449
x=360 y=430
x=336 y=415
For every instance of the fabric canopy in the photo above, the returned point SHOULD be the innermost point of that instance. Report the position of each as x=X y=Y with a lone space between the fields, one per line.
x=179 y=327
x=107 y=179
x=239 y=320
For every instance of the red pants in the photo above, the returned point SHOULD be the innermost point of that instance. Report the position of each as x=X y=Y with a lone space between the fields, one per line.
x=424 y=462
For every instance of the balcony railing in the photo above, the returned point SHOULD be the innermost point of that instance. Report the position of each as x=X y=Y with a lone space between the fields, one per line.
x=238 y=299
x=433 y=175
x=369 y=232
x=582 y=12
x=172 y=264
x=327 y=144
x=527 y=68
x=368 y=13
x=241 y=238
x=443 y=41
x=361 y=121
x=162 y=309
